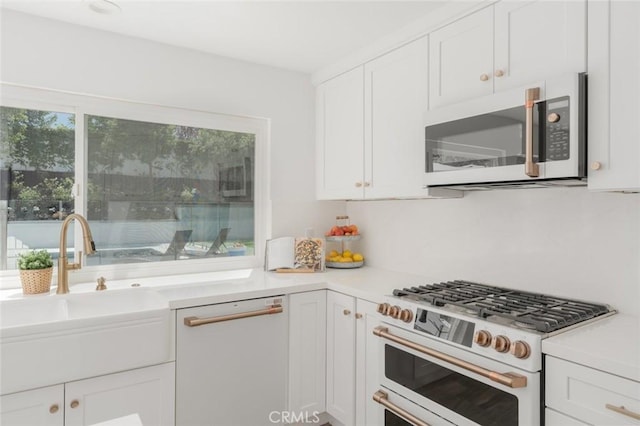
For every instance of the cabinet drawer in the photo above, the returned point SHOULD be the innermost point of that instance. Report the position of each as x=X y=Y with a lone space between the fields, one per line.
x=591 y=395
x=553 y=418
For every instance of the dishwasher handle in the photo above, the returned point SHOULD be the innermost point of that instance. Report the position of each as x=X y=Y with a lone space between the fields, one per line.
x=195 y=321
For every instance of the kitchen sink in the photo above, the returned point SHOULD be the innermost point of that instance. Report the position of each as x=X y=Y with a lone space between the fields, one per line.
x=47 y=311
x=49 y=339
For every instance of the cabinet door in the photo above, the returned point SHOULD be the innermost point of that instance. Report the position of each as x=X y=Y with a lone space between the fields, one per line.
x=591 y=395
x=307 y=352
x=340 y=136
x=38 y=407
x=553 y=418
x=614 y=95
x=396 y=96
x=536 y=39
x=368 y=412
x=461 y=59
x=146 y=392
x=341 y=357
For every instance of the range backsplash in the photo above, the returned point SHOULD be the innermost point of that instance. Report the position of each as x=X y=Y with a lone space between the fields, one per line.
x=567 y=241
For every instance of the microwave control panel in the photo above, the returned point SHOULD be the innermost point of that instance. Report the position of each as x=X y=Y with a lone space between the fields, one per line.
x=557 y=129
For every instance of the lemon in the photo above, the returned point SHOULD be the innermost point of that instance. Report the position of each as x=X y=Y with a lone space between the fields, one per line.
x=333 y=253
x=347 y=253
x=357 y=257
x=346 y=260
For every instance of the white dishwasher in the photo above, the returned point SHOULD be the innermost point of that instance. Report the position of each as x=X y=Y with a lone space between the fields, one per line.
x=231 y=363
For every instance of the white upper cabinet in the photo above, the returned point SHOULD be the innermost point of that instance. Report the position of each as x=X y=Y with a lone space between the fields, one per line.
x=370 y=130
x=535 y=39
x=340 y=136
x=614 y=96
x=396 y=95
x=509 y=44
x=461 y=59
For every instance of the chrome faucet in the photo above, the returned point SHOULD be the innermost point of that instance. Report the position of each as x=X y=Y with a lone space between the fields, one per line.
x=63 y=265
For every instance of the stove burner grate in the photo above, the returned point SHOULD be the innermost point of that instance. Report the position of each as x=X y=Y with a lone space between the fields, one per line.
x=526 y=310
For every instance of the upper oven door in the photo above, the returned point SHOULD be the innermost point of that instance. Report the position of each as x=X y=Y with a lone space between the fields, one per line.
x=485 y=140
x=461 y=387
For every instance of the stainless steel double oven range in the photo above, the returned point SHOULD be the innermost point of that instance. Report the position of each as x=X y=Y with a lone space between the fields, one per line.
x=465 y=353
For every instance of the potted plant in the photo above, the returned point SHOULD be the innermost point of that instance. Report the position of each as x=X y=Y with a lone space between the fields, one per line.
x=36 y=270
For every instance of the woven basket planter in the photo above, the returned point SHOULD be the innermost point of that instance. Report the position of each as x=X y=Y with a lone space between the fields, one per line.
x=36 y=281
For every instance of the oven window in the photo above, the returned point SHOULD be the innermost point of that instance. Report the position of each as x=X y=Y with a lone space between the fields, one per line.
x=469 y=398
x=391 y=419
x=489 y=140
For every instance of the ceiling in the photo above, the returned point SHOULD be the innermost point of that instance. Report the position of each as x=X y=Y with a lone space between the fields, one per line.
x=297 y=35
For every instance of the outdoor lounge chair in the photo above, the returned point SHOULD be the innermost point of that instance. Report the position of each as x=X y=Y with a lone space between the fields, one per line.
x=214 y=250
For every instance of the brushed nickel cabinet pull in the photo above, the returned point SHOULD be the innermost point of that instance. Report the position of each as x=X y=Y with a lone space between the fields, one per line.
x=54 y=408
x=195 y=321
x=623 y=411
x=358 y=315
x=511 y=380
x=346 y=312
x=531 y=168
x=484 y=77
x=74 y=403
x=382 y=398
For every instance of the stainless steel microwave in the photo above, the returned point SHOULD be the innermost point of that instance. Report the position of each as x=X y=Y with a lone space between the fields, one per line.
x=534 y=135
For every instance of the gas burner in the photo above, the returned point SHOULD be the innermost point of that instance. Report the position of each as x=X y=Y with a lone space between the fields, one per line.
x=522 y=309
x=524 y=325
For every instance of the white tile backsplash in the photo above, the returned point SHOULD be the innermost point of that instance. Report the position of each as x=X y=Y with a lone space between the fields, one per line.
x=566 y=241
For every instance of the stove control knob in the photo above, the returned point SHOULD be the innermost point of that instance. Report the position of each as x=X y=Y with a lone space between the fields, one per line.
x=394 y=311
x=406 y=315
x=501 y=343
x=482 y=338
x=520 y=349
x=383 y=308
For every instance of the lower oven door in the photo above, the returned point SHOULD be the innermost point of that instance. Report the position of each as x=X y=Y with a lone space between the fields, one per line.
x=395 y=410
x=462 y=387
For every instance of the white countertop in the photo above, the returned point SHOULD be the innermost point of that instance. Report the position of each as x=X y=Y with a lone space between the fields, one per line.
x=183 y=291
x=611 y=345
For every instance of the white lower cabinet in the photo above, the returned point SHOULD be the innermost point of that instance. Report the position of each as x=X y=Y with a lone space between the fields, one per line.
x=37 y=407
x=307 y=353
x=589 y=395
x=146 y=392
x=553 y=418
x=351 y=359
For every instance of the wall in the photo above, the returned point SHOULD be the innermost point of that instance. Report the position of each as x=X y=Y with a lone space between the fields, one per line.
x=54 y=55
x=567 y=242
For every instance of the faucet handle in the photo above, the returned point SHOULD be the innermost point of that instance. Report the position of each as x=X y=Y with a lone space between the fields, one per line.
x=101 y=284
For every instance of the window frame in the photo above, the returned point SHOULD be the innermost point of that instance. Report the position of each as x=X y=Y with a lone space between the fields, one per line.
x=81 y=105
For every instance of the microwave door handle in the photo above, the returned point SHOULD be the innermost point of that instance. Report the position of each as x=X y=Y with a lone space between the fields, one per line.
x=530 y=167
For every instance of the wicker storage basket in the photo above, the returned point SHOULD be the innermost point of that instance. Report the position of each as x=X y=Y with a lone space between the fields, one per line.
x=36 y=281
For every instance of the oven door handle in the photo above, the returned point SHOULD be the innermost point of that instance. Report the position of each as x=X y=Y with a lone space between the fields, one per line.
x=531 y=168
x=511 y=380
x=382 y=398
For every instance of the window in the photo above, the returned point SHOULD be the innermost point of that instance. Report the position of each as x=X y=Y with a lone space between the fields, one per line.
x=156 y=184
x=160 y=191
x=36 y=176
